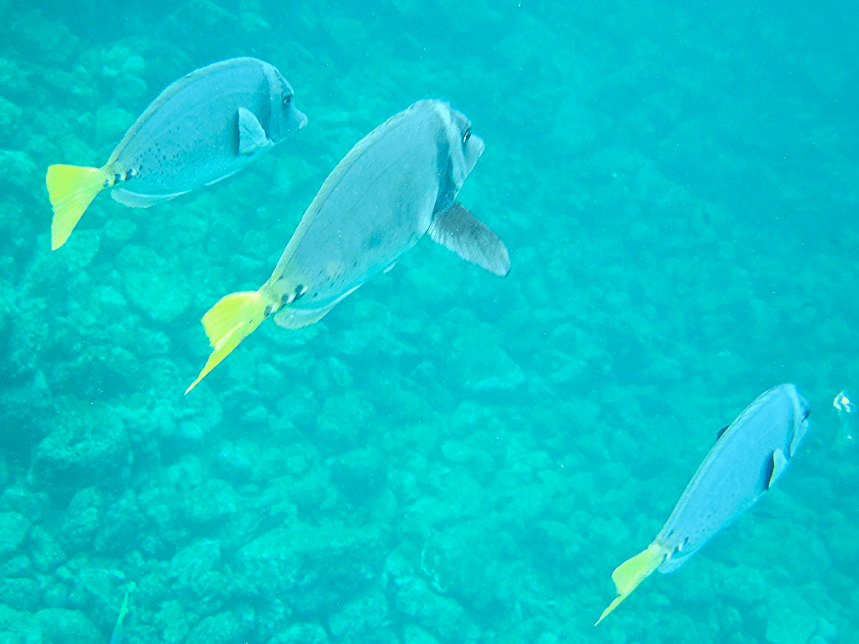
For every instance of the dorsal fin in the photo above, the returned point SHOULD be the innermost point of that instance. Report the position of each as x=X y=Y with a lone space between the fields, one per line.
x=721 y=432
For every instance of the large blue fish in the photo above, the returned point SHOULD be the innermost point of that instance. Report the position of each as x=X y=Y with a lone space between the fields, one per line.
x=201 y=129
x=397 y=184
x=748 y=457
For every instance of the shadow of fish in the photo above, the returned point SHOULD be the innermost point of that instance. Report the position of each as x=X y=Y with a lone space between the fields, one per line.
x=203 y=128
x=749 y=456
x=397 y=184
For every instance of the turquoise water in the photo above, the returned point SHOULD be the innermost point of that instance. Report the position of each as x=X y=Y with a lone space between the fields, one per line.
x=448 y=456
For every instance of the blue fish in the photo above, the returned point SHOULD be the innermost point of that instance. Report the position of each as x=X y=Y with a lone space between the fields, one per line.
x=749 y=456
x=203 y=128
x=116 y=636
x=396 y=185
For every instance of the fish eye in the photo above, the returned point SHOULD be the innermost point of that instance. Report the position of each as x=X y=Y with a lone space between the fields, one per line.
x=466 y=136
x=287 y=99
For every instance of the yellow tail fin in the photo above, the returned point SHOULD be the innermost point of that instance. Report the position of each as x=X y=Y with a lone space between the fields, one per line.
x=71 y=188
x=230 y=321
x=632 y=572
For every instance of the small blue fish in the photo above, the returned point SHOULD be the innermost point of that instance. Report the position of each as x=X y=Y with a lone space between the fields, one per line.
x=749 y=456
x=203 y=128
x=116 y=636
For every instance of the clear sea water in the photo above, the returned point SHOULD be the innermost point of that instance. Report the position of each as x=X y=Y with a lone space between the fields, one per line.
x=448 y=456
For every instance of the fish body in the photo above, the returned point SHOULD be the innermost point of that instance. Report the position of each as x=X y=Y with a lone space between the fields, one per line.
x=748 y=457
x=116 y=635
x=203 y=128
x=376 y=204
x=395 y=185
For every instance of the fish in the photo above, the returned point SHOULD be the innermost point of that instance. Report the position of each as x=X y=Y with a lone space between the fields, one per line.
x=116 y=635
x=395 y=185
x=749 y=456
x=201 y=129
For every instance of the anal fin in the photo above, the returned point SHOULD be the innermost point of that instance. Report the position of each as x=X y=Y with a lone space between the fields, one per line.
x=293 y=317
x=140 y=200
x=460 y=231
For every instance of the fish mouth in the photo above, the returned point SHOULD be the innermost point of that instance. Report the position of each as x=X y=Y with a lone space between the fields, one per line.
x=480 y=145
x=301 y=118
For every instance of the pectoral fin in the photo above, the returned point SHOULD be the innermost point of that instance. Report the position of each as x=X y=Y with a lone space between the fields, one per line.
x=252 y=136
x=801 y=426
x=632 y=572
x=458 y=230
x=775 y=468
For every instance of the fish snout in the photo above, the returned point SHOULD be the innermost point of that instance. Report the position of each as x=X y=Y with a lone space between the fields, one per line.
x=300 y=118
x=479 y=145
